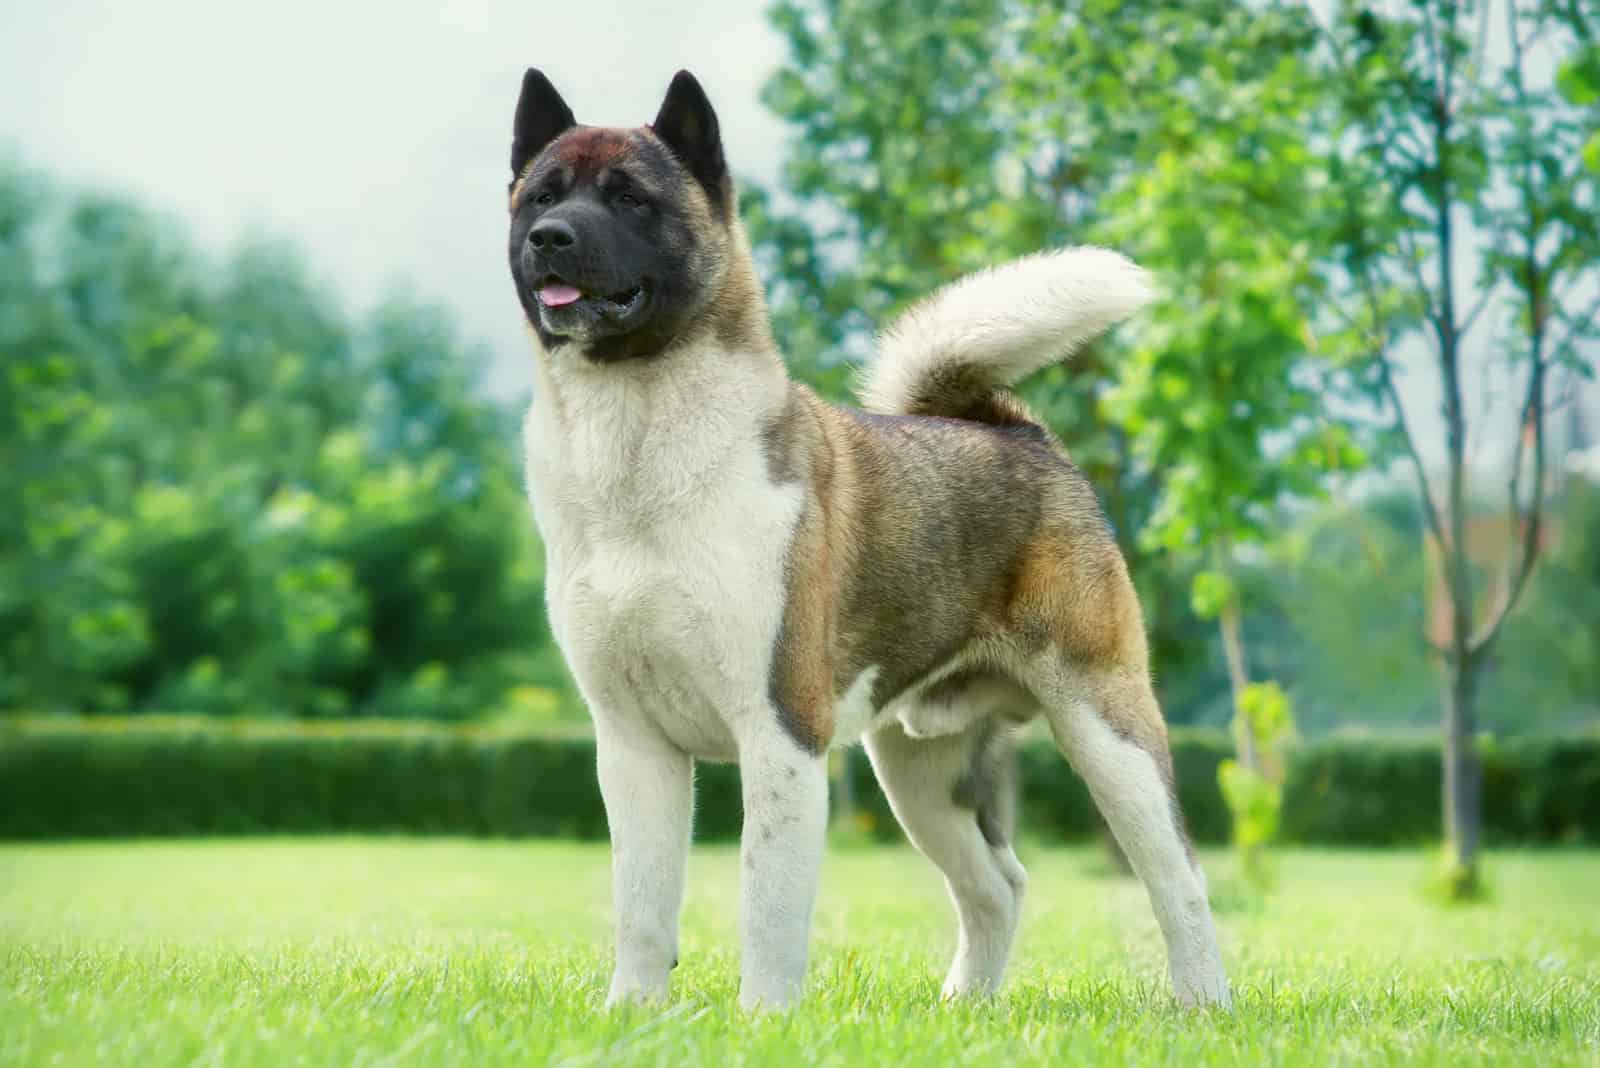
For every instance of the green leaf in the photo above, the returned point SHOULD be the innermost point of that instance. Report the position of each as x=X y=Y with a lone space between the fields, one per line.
x=1209 y=593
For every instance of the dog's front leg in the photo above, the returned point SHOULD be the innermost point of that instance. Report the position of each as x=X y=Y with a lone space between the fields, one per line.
x=646 y=783
x=785 y=821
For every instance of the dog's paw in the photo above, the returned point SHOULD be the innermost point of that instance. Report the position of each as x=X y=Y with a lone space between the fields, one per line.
x=1204 y=995
x=766 y=999
x=635 y=990
x=962 y=986
x=966 y=993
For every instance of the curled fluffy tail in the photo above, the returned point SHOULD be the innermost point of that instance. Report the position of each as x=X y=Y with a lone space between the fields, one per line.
x=953 y=353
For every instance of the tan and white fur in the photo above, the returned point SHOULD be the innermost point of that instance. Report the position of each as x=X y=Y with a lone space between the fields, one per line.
x=737 y=570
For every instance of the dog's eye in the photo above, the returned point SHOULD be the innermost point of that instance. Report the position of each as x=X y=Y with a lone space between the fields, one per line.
x=544 y=198
x=628 y=200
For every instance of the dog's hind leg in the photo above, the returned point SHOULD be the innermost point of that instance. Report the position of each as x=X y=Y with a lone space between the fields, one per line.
x=952 y=805
x=1110 y=729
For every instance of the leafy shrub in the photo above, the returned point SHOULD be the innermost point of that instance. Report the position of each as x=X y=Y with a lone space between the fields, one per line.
x=64 y=777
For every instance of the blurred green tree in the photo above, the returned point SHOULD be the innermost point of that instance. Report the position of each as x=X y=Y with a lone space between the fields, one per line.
x=1436 y=131
x=1221 y=394
x=218 y=495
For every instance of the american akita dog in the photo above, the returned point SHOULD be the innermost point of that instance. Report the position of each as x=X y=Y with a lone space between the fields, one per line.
x=738 y=570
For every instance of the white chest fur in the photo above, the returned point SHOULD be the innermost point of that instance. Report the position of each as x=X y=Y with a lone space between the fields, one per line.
x=665 y=542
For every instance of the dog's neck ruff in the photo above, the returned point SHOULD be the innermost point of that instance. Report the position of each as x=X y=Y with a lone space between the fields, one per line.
x=637 y=441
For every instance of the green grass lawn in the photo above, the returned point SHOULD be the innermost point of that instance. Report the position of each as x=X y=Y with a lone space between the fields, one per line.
x=392 y=952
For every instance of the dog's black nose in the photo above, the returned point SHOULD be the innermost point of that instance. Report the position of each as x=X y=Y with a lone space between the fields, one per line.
x=552 y=234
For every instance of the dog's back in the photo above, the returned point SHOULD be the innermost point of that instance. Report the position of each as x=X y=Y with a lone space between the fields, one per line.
x=945 y=529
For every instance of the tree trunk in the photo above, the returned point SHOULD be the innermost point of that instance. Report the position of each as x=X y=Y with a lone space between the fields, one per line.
x=1460 y=770
x=1244 y=731
x=1463 y=775
x=1238 y=679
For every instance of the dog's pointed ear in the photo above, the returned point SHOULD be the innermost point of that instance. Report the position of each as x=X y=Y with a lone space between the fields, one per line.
x=542 y=116
x=687 y=125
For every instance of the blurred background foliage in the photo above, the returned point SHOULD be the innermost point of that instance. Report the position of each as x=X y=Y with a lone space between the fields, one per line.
x=222 y=492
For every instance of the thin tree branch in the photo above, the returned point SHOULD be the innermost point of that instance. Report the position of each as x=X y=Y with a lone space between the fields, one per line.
x=1430 y=507
x=1345 y=320
x=1430 y=310
x=1531 y=520
x=1380 y=353
x=1327 y=34
x=1524 y=414
x=1568 y=396
x=1431 y=39
x=1414 y=153
x=1532 y=414
x=1481 y=45
x=1452 y=62
x=1578 y=21
x=1487 y=396
x=1575 y=330
x=1430 y=511
x=1476 y=310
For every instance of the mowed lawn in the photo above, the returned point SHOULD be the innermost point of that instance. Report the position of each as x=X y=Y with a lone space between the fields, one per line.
x=377 y=951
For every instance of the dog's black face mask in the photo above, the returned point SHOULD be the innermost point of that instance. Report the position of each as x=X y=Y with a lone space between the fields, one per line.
x=614 y=232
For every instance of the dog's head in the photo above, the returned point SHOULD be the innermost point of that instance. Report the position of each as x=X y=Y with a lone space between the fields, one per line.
x=618 y=236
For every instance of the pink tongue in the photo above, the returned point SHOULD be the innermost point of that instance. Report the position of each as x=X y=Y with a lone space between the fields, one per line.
x=555 y=295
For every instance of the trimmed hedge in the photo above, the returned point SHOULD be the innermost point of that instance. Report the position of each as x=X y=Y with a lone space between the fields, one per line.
x=154 y=776
x=1366 y=791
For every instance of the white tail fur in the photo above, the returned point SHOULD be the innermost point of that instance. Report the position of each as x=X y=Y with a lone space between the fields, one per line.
x=991 y=328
